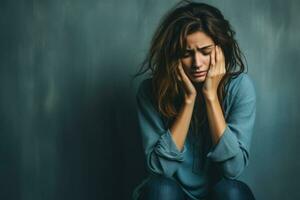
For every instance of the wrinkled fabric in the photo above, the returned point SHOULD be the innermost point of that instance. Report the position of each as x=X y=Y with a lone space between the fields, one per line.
x=200 y=164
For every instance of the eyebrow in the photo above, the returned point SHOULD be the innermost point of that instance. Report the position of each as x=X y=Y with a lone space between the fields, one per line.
x=203 y=47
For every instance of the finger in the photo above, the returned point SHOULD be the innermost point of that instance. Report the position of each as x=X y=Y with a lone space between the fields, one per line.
x=182 y=73
x=179 y=78
x=223 y=70
x=184 y=78
x=217 y=54
x=212 y=67
x=221 y=60
x=218 y=60
x=212 y=60
x=178 y=72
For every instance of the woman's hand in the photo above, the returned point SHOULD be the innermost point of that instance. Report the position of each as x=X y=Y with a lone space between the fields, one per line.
x=190 y=90
x=215 y=74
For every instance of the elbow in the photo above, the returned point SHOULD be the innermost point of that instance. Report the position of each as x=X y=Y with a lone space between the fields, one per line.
x=232 y=172
x=153 y=168
x=152 y=165
x=160 y=166
x=232 y=169
x=159 y=172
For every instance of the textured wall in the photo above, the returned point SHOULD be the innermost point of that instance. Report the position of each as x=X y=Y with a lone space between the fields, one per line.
x=68 y=129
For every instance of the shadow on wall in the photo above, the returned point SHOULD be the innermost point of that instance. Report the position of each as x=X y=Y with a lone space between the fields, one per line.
x=107 y=148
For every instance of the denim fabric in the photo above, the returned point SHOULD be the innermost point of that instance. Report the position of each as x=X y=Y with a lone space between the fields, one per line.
x=228 y=189
x=163 y=188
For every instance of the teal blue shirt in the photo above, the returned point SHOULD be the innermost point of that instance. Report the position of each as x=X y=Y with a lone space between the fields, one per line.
x=200 y=164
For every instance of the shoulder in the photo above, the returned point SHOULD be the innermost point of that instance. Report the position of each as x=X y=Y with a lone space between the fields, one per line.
x=145 y=84
x=242 y=86
x=145 y=89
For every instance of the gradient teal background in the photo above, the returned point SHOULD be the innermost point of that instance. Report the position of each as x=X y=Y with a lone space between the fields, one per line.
x=68 y=128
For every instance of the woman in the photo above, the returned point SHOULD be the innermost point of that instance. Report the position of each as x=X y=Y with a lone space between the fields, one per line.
x=197 y=110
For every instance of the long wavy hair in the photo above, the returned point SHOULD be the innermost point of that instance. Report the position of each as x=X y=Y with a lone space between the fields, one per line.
x=168 y=45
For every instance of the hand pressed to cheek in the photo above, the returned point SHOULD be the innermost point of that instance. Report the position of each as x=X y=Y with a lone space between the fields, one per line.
x=215 y=73
x=217 y=61
x=221 y=61
x=212 y=63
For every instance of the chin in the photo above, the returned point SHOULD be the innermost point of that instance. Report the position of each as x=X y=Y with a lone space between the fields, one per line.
x=199 y=79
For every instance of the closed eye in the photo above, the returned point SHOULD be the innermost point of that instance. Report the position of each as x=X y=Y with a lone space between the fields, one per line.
x=205 y=50
x=206 y=53
x=189 y=53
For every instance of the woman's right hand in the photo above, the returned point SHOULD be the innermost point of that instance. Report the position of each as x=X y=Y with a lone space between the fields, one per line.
x=189 y=88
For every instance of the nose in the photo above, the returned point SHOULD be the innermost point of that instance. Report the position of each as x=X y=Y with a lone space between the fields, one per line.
x=197 y=61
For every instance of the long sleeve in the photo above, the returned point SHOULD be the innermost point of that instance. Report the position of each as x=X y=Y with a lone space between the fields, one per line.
x=162 y=155
x=232 y=150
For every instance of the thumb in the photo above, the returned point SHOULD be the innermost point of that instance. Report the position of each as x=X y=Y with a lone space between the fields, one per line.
x=178 y=75
x=179 y=78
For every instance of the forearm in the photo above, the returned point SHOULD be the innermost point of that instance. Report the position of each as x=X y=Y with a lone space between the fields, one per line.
x=179 y=128
x=216 y=119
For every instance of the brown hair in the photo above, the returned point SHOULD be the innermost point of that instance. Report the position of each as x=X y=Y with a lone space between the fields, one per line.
x=168 y=45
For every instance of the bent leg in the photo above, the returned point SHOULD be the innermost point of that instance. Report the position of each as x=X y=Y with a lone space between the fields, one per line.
x=228 y=189
x=162 y=188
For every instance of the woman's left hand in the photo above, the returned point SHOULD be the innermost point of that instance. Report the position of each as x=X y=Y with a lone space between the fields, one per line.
x=215 y=74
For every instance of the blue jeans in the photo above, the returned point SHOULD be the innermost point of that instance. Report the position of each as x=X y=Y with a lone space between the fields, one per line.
x=162 y=188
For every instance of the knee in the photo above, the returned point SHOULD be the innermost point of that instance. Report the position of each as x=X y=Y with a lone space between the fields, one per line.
x=162 y=188
x=228 y=189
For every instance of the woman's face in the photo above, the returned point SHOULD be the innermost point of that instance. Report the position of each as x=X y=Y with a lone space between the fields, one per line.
x=197 y=56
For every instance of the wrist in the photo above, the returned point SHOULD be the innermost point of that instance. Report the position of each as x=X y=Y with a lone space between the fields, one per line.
x=190 y=100
x=211 y=101
x=211 y=97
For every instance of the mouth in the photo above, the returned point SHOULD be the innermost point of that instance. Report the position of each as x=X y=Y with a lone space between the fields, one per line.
x=199 y=74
